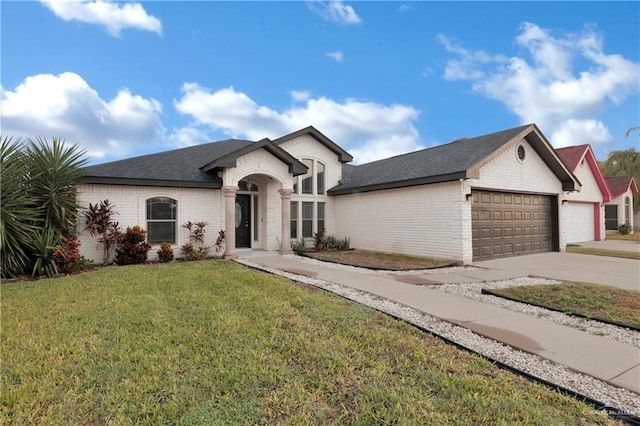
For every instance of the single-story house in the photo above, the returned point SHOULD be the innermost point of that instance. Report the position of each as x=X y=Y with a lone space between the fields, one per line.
x=474 y=198
x=619 y=209
x=584 y=210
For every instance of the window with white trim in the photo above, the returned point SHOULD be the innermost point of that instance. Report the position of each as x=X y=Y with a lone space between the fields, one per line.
x=313 y=181
x=161 y=220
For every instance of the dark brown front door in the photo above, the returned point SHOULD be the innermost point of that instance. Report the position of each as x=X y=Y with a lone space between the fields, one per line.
x=243 y=221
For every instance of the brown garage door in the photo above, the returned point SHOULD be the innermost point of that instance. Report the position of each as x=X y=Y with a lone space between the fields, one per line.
x=508 y=224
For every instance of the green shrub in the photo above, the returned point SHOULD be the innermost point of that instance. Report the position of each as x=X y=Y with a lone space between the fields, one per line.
x=299 y=245
x=195 y=248
x=132 y=246
x=335 y=244
x=625 y=229
x=320 y=240
x=165 y=254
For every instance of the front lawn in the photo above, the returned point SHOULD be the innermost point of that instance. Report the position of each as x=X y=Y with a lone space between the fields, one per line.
x=371 y=259
x=591 y=300
x=216 y=343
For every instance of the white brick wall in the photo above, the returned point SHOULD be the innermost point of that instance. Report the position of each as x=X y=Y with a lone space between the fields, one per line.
x=130 y=203
x=505 y=172
x=427 y=220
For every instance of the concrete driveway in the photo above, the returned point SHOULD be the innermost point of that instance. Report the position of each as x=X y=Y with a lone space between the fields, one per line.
x=611 y=271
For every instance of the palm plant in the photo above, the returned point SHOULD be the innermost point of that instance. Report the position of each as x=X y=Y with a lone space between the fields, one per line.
x=17 y=215
x=39 y=206
x=55 y=170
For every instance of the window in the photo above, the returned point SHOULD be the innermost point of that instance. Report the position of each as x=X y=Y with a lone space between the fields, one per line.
x=307 y=220
x=307 y=178
x=320 y=178
x=320 y=216
x=161 y=220
x=627 y=210
x=294 y=220
x=315 y=175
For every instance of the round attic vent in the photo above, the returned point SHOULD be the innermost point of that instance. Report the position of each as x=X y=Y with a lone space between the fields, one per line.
x=521 y=152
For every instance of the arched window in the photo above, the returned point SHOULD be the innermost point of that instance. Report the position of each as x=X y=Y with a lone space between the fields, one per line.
x=627 y=210
x=161 y=220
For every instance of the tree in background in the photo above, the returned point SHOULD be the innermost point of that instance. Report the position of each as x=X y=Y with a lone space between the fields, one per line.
x=623 y=163
x=39 y=205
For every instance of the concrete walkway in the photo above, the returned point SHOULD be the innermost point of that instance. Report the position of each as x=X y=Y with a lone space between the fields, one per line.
x=600 y=357
x=611 y=271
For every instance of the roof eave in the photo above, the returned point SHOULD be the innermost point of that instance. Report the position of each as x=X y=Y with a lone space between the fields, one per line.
x=103 y=180
x=398 y=184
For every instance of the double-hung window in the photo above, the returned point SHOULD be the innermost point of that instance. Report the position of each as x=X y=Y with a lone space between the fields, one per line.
x=161 y=220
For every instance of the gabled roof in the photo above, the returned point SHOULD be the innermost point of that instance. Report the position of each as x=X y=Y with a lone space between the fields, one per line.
x=618 y=185
x=343 y=155
x=191 y=167
x=573 y=156
x=460 y=159
x=229 y=160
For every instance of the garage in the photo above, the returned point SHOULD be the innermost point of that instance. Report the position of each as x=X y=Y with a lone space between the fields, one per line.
x=509 y=224
x=580 y=226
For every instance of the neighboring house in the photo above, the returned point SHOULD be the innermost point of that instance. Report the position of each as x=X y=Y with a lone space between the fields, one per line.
x=490 y=196
x=619 y=210
x=584 y=211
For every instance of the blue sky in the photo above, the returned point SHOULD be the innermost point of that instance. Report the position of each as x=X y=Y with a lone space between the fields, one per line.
x=379 y=78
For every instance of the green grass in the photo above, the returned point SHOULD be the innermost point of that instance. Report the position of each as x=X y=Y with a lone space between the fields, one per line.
x=620 y=237
x=603 y=252
x=215 y=343
x=591 y=300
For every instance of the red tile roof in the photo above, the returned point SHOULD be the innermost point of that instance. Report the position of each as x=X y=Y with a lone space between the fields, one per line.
x=572 y=156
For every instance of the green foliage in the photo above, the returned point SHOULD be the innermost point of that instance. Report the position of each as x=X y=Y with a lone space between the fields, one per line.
x=195 y=248
x=165 y=254
x=623 y=163
x=213 y=343
x=631 y=130
x=39 y=205
x=132 y=246
x=323 y=242
x=624 y=229
x=54 y=171
x=44 y=244
x=299 y=245
x=99 y=221
x=18 y=215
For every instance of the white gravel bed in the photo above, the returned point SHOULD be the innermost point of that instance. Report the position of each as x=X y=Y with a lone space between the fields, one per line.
x=623 y=400
x=473 y=291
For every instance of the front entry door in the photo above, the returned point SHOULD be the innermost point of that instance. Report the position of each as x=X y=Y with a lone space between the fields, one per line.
x=243 y=221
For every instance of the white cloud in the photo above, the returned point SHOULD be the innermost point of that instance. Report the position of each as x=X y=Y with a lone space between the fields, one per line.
x=300 y=95
x=546 y=87
x=337 y=56
x=65 y=106
x=368 y=130
x=335 y=11
x=112 y=16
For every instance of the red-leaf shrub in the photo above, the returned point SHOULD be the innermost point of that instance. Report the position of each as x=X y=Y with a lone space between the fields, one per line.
x=132 y=246
x=68 y=256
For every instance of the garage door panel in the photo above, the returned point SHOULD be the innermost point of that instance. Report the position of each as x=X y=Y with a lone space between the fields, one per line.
x=508 y=224
x=579 y=222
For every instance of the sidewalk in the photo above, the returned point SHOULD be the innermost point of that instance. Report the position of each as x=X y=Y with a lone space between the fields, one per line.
x=597 y=356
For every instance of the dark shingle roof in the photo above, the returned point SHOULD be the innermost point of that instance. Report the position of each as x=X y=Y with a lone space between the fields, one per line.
x=179 y=167
x=438 y=164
